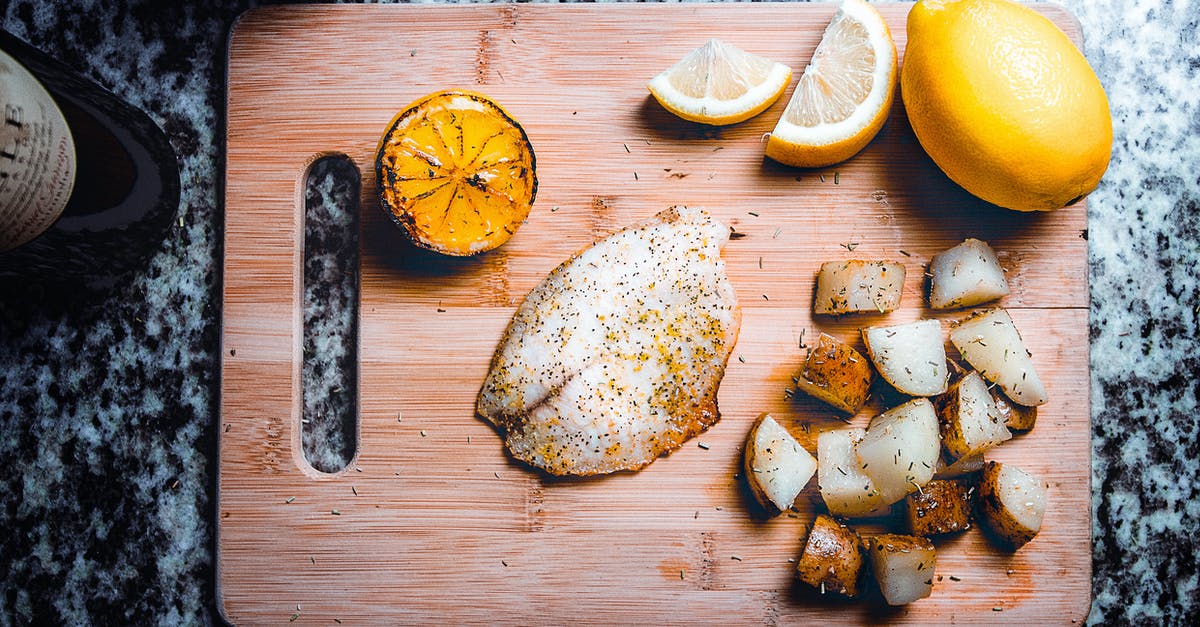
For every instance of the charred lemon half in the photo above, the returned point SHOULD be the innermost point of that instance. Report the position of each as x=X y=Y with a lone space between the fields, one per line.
x=456 y=172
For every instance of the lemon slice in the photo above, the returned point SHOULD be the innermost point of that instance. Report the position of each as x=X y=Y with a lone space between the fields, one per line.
x=844 y=95
x=719 y=83
x=456 y=172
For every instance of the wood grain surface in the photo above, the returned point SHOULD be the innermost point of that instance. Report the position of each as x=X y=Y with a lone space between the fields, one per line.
x=433 y=522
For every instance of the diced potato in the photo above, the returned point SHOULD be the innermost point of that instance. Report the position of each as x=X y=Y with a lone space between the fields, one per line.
x=846 y=490
x=833 y=558
x=939 y=507
x=968 y=418
x=900 y=449
x=777 y=467
x=857 y=285
x=965 y=466
x=1012 y=503
x=903 y=566
x=989 y=341
x=911 y=357
x=837 y=374
x=1016 y=417
x=968 y=274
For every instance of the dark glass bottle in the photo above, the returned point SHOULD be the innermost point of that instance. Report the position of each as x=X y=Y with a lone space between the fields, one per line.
x=126 y=181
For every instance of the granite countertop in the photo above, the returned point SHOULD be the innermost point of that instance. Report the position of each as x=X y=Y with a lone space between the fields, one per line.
x=108 y=408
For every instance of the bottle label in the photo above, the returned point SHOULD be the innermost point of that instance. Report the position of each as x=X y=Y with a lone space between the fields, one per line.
x=37 y=157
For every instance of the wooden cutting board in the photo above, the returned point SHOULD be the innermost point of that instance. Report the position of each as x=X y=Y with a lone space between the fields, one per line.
x=433 y=522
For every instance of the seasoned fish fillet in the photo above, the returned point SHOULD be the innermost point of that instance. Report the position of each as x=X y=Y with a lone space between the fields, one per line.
x=614 y=358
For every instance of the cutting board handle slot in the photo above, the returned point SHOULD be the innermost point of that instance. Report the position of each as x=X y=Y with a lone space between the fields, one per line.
x=329 y=371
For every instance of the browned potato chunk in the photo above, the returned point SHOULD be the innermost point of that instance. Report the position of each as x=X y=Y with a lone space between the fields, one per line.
x=900 y=449
x=968 y=419
x=837 y=374
x=776 y=466
x=1015 y=416
x=911 y=357
x=903 y=566
x=1011 y=503
x=964 y=466
x=942 y=506
x=857 y=285
x=833 y=558
x=990 y=342
x=966 y=275
x=845 y=488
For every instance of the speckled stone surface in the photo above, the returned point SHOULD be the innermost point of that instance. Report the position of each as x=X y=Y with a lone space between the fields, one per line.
x=1144 y=259
x=108 y=422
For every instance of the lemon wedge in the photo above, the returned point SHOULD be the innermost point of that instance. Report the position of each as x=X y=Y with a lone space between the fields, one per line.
x=844 y=96
x=719 y=83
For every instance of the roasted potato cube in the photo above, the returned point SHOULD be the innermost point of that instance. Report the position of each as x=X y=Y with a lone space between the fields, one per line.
x=1016 y=417
x=989 y=341
x=911 y=357
x=969 y=421
x=837 y=374
x=900 y=449
x=845 y=488
x=964 y=466
x=833 y=558
x=857 y=285
x=1011 y=503
x=903 y=566
x=966 y=275
x=939 y=507
x=777 y=467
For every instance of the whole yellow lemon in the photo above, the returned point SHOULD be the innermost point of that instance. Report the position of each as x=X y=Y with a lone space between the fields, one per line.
x=1004 y=103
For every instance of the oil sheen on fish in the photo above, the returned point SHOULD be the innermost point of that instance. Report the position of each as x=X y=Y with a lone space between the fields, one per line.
x=615 y=357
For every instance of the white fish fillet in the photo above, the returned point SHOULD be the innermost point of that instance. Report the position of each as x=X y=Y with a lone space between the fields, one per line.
x=614 y=358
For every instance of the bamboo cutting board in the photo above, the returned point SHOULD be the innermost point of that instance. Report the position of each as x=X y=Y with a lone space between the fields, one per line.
x=434 y=523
